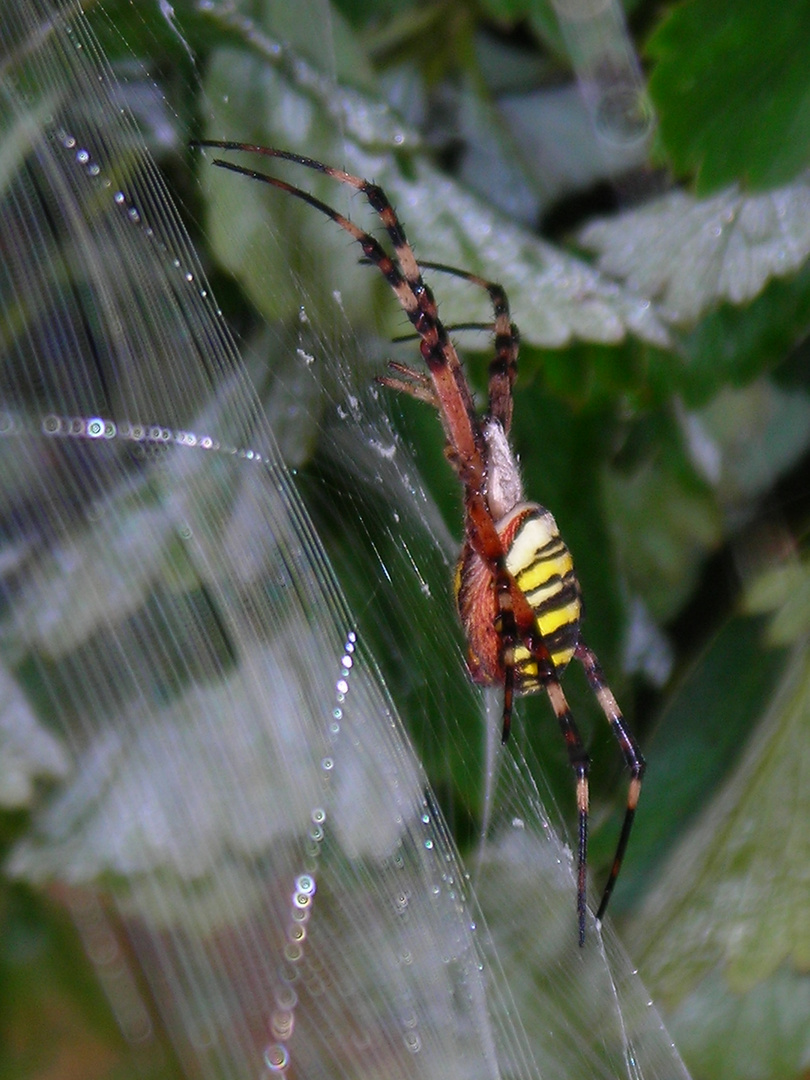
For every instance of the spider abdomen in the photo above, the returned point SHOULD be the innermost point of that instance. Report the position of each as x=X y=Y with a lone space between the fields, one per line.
x=541 y=564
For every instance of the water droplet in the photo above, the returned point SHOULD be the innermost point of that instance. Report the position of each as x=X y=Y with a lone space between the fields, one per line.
x=305 y=884
x=286 y=998
x=293 y=952
x=281 y=1024
x=276 y=1057
x=413 y=1042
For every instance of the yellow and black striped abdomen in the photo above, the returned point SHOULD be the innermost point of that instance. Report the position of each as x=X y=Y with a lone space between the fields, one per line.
x=543 y=569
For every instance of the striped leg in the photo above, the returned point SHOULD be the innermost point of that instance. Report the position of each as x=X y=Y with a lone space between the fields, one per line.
x=632 y=756
x=516 y=622
x=580 y=763
x=506 y=629
x=503 y=366
x=404 y=276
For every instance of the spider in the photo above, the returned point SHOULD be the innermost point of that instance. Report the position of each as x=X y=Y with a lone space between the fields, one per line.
x=517 y=595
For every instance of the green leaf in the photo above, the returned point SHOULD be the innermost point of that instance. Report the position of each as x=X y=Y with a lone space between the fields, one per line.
x=692 y=253
x=723 y=941
x=696 y=742
x=664 y=519
x=731 y=85
x=745 y=1036
x=783 y=591
x=727 y=923
x=745 y=439
x=736 y=344
x=28 y=751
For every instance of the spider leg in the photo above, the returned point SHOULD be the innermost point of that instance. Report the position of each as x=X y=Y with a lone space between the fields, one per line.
x=580 y=763
x=516 y=621
x=632 y=756
x=503 y=366
x=414 y=383
x=409 y=372
x=506 y=628
x=451 y=328
x=452 y=393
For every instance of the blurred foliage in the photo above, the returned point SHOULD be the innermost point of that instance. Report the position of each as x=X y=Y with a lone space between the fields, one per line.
x=746 y=119
x=673 y=448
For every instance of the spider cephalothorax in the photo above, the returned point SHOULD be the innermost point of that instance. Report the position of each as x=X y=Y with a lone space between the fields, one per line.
x=516 y=591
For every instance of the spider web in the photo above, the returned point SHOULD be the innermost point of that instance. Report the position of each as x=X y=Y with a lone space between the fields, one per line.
x=233 y=802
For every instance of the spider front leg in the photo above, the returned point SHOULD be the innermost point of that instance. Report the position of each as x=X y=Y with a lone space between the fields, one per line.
x=503 y=366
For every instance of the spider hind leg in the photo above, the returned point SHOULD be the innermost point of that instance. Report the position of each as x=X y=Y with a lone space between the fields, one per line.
x=632 y=756
x=516 y=625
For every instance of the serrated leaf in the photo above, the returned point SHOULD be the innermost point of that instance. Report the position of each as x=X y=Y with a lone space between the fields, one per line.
x=732 y=88
x=691 y=253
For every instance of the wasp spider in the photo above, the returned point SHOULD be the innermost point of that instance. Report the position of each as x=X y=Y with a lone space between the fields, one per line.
x=516 y=591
